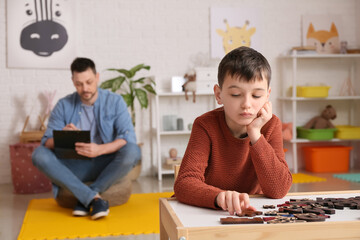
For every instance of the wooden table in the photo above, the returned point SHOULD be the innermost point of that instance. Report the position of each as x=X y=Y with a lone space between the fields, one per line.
x=183 y=222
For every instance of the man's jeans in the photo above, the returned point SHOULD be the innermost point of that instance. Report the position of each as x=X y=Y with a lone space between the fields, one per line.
x=72 y=174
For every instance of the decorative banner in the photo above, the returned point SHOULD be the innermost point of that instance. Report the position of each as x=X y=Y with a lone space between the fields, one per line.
x=41 y=33
x=322 y=32
x=234 y=27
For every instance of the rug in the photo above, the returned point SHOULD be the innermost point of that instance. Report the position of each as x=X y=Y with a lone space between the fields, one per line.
x=305 y=178
x=352 y=177
x=44 y=219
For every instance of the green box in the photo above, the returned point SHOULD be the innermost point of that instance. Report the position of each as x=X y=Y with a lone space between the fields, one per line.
x=315 y=134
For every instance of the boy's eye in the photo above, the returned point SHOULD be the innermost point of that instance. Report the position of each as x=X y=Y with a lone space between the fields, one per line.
x=256 y=96
x=235 y=95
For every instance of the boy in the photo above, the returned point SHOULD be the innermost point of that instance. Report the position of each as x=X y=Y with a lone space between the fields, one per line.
x=237 y=149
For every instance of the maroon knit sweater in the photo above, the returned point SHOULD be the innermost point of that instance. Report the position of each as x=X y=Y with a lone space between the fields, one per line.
x=216 y=161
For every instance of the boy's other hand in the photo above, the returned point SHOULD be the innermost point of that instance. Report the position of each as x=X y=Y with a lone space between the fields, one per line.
x=234 y=202
x=264 y=115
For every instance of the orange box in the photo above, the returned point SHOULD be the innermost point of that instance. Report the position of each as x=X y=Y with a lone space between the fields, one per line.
x=323 y=159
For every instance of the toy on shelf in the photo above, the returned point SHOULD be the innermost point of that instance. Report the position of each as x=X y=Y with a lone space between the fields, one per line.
x=322 y=121
x=190 y=84
x=287 y=131
x=173 y=159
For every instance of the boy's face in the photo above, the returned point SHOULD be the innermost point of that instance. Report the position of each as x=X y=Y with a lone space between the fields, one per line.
x=242 y=100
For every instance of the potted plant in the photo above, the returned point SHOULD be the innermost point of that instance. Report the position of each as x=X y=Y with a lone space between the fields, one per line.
x=130 y=88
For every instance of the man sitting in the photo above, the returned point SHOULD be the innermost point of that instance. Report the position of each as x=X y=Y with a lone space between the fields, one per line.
x=113 y=150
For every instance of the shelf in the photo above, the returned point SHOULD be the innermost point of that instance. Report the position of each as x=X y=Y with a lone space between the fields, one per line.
x=303 y=140
x=175 y=133
x=320 y=99
x=177 y=138
x=167 y=171
x=321 y=56
x=347 y=70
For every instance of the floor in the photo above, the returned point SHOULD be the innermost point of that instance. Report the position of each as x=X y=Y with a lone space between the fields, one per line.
x=13 y=206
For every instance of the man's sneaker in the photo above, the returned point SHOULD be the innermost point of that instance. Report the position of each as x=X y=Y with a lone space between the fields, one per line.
x=80 y=210
x=100 y=208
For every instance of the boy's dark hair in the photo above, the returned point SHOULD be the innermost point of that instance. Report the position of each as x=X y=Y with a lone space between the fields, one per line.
x=245 y=63
x=82 y=64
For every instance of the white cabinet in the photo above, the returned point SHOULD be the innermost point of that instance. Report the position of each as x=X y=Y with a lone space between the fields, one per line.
x=330 y=69
x=175 y=105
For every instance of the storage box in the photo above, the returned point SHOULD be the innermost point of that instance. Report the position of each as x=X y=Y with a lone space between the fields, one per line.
x=315 y=134
x=26 y=177
x=347 y=132
x=325 y=159
x=312 y=91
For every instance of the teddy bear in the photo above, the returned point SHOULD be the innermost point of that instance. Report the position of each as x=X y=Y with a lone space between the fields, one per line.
x=322 y=121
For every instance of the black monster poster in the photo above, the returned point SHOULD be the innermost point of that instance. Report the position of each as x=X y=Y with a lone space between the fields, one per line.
x=41 y=33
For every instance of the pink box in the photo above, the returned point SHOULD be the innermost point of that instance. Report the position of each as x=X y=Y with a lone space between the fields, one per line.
x=26 y=177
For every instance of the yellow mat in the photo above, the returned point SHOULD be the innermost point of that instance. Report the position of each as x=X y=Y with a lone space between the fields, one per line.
x=305 y=178
x=44 y=219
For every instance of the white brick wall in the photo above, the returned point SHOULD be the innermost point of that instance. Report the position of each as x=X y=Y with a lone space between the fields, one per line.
x=161 y=33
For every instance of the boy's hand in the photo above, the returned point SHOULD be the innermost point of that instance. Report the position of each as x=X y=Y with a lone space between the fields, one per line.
x=264 y=115
x=234 y=202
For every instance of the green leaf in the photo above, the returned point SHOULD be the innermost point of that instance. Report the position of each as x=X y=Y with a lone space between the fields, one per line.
x=142 y=97
x=128 y=99
x=140 y=80
x=150 y=89
x=117 y=83
x=127 y=73
x=107 y=84
x=138 y=68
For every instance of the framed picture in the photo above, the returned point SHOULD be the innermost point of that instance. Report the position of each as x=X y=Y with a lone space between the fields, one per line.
x=40 y=33
x=234 y=27
x=322 y=32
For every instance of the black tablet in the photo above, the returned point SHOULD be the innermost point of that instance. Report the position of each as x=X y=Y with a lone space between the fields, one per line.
x=64 y=143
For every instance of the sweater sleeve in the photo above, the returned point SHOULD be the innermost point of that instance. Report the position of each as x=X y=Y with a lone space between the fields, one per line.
x=190 y=186
x=268 y=158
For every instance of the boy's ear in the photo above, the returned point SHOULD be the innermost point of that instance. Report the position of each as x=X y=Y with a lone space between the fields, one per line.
x=217 y=92
x=268 y=94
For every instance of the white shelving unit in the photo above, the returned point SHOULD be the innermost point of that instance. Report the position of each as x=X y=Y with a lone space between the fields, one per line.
x=295 y=58
x=187 y=109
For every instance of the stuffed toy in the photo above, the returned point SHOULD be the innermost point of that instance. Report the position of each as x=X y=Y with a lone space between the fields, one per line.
x=323 y=121
x=287 y=131
x=190 y=84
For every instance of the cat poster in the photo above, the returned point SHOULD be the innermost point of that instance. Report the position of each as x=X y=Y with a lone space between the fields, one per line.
x=322 y=32
x=41 y=33
x=234 y=27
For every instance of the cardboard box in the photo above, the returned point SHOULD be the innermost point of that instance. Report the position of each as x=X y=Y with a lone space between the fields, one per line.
x=327 y=159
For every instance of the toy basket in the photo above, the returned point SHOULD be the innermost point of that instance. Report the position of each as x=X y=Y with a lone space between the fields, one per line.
x=315 y=134
x=323 y=159
x=347 y=132
x=312 y=91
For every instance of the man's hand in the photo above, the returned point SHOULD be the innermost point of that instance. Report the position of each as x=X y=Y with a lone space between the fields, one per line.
x=264 y=115
x=234 y=202
x=70 y=126
x=90 y=150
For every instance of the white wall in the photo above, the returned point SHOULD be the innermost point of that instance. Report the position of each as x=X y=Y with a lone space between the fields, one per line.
x=162 y=33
